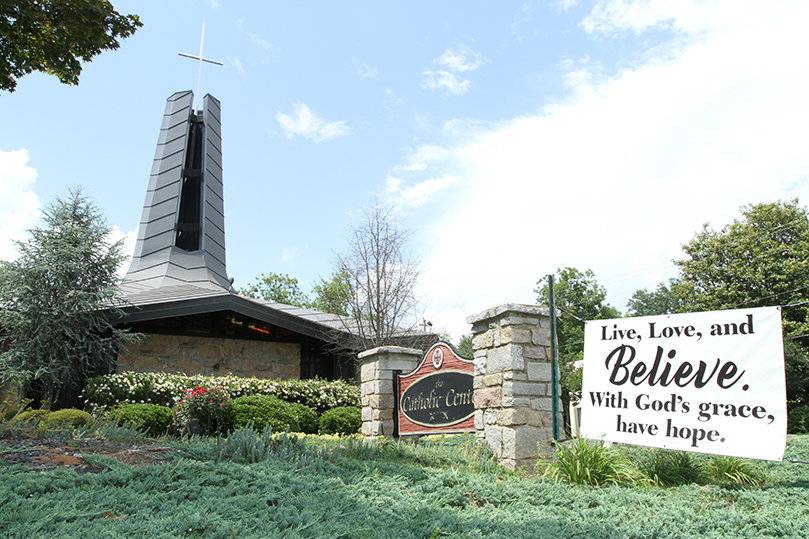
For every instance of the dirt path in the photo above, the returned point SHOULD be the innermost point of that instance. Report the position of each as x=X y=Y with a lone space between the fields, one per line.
x=39 y=454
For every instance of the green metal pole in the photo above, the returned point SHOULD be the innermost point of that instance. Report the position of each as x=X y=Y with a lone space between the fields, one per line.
x=554 y=362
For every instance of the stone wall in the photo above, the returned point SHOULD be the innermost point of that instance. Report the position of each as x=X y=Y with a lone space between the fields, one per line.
x=513 y=394
x=212 y=356
x=376 y=385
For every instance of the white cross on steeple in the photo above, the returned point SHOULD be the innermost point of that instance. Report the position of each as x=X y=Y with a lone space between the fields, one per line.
x=201 y=59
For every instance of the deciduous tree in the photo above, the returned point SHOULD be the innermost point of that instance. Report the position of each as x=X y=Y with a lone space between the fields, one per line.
x=278 y=288
x=383 y=273
x=662 y=300
x=56 y=36
x=759 y=260
x=579 y=297
x=334 y=295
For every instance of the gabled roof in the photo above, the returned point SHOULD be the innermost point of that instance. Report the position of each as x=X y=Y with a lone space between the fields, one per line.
x=145 y=303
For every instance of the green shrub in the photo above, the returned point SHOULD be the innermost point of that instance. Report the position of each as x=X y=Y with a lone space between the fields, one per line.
x=262 y=411
x=31 y=415
x=341 y=420
x=798 y=420
x=168 y=389
x=589 y=462
x=66 y=418
x=154 y=419
x=307 y=418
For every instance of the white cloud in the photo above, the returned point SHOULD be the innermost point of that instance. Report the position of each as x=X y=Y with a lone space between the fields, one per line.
x=214 y=4
x=420 y=193
x=444 y=80
x=128 y=247
x=564 y=5
x=424 y=156
x=309 y=125
x=19 y=205
x=363 y=70
x=255 y=39
x=288 y=254
x=521 y=18
x=619 y=174
x=461 y=59
x=238 y=65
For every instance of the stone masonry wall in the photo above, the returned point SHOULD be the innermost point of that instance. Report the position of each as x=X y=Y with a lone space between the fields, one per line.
x=212 y=356
x=513 y=402
x=376 y=389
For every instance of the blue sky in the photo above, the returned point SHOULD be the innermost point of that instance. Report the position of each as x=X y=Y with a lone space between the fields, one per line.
x=514 y=137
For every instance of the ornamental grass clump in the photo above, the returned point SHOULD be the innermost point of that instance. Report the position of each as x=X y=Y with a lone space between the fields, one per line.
x=589 y=462
x=724 y=470
x=670 y=468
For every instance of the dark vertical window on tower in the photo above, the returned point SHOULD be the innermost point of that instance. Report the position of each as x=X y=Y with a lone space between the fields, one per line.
x=189 y=219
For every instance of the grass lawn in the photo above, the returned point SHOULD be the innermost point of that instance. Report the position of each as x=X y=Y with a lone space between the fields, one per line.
x=327 y=487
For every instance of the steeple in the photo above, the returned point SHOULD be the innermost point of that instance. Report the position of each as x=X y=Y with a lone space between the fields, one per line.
x=181 y=238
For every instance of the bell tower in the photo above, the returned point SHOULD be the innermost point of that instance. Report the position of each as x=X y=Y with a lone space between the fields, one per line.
x=181 y=237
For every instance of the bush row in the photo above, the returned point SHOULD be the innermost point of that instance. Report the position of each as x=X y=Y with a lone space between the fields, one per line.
x=262 y=411
x=168 y=389
x=798 y=420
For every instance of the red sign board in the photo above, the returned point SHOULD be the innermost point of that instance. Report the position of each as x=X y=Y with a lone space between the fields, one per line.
x=438 y=396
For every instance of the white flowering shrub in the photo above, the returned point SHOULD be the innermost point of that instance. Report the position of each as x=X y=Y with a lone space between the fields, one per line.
x=168 y=389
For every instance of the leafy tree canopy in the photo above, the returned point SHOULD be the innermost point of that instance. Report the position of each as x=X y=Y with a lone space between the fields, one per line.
x=330 y=296
x=662 y=300
x=279 y=288
x=52 y=298
x=759 y=260
x=55 y=36
x=334 y=295
x=464 y=347
x=579 y=296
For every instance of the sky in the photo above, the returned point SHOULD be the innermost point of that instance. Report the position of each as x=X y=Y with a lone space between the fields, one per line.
x=513 y=137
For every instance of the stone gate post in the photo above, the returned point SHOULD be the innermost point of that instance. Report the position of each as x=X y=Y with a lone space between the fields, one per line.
x=376 y=385
x=513 y=403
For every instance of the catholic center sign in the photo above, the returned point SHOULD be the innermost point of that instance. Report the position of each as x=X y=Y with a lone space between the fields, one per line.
x=436 y=397
x=710 y=382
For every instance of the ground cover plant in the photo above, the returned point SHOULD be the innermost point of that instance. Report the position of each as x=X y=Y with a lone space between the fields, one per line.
x=281 y=485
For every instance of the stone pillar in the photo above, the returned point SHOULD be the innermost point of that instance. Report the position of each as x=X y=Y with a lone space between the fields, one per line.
x=513 y=403
x=376 y=385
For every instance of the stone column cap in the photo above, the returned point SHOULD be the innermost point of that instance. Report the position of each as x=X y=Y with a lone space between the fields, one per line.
x=508 y=307
x=389 y=350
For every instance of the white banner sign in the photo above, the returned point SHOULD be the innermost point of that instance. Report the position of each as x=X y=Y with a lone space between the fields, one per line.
x=710 y=382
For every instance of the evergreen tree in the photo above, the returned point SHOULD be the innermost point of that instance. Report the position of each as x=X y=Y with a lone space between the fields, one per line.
x=53 y=297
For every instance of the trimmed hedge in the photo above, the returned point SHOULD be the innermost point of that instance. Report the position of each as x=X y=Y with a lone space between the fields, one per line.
x=342 y=420
x=307 y=418
x=66 y=417
x=167 y=389
x=156 y=420
x=262 y=411
x=31 y=415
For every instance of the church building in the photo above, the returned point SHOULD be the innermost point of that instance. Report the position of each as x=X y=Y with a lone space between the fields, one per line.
x=177 y=291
